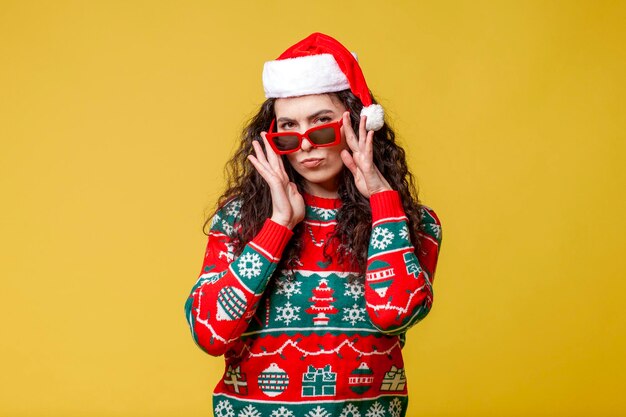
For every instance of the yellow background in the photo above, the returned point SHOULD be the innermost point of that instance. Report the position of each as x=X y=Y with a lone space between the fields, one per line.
x=116 y=118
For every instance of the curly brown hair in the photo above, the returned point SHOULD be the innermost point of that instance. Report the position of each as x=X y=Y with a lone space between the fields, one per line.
x=354 y=217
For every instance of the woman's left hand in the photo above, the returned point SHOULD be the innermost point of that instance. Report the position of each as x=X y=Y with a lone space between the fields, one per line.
x=367 y=177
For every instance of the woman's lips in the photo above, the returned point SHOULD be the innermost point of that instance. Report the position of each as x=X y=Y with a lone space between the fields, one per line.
x=311 y=163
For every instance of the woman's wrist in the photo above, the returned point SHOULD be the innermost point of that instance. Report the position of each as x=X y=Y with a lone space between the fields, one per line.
x=282 y=222
x=380 y=190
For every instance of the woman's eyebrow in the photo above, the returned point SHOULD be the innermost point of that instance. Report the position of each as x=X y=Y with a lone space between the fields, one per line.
x=313 y=116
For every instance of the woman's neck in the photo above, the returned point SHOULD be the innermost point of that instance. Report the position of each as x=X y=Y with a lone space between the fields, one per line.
x=322 y=190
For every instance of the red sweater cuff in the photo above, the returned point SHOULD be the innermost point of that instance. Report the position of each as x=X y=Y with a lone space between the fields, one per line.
x=386 y=204
x=273 y=237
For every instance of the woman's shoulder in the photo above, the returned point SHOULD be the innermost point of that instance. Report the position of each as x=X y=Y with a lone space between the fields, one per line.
x=231 y=206
x=428 y=214
x=227 y=215
x=430 y=223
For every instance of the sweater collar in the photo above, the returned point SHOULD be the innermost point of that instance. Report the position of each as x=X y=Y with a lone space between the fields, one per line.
x=321 y=202
x=320 y=209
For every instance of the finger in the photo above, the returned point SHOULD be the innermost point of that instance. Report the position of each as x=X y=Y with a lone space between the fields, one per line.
x=297 y=202
x=259 y=167
x=351 y=138
x=275 y=161
x=270 y=178
x=283 y=172
x=362 y=131
x=282 y=165
x=369 y=145
x=260 y=155
x=348 y=161
x=260 y=160
x=293 y=189
x=271 y=155
x=262 y=169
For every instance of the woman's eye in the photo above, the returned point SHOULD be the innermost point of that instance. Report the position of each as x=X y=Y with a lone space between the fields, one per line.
x=324 y=120
x=286 y=126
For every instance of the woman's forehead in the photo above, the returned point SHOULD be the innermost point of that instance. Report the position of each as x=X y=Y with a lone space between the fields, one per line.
x=304 y=106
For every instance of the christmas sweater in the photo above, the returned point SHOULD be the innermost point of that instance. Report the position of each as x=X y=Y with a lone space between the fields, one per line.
x=315 y=343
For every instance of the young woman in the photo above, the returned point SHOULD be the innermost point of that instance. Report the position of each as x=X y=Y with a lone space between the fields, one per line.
x=319 y=256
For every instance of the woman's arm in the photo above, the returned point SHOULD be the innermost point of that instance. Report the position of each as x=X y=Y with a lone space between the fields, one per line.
x=398 y=286
x=226 y=295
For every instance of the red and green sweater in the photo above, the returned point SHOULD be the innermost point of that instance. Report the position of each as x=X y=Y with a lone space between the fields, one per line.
x=317 y=344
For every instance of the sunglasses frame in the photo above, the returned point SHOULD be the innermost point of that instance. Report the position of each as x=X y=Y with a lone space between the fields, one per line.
x=336 y=125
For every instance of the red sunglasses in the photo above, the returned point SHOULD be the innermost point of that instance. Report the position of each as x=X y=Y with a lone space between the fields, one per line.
x=328 y=134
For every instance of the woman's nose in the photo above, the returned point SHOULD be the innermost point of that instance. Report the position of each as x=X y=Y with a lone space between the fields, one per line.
x=306 y=144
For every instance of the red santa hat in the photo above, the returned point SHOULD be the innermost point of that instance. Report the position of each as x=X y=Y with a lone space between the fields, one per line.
x=320 y=64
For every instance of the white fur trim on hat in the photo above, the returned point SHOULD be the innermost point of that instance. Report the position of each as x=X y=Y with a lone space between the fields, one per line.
x=311 y=74
x=375 y=116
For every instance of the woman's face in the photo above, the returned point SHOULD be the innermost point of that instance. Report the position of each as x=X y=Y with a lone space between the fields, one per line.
x=318 y=166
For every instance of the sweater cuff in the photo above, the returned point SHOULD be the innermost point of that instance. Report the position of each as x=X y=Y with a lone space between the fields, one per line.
x=273 y=237
x=386 y=204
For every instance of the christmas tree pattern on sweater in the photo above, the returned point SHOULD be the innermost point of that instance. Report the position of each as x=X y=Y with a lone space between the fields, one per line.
x=319 y=343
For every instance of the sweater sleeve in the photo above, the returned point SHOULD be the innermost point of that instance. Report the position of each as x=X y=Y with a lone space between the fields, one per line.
x=226 y=294
x=398 y=290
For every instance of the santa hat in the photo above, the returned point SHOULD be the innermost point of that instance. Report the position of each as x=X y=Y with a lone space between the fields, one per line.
x=320 y=64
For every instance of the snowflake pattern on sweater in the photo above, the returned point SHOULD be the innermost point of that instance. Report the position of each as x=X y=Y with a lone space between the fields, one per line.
x=316 y=344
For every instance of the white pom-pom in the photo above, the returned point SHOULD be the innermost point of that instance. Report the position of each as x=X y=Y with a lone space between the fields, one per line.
x=375 y=116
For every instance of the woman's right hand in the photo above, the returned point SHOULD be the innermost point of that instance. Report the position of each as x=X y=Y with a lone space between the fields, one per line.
x=287 y=202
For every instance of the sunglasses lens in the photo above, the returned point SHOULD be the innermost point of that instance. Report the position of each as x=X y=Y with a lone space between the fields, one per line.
x=323 y=136
x=286 y=143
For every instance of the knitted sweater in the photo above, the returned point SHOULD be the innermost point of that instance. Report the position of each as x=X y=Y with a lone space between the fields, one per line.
x=317 y=344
